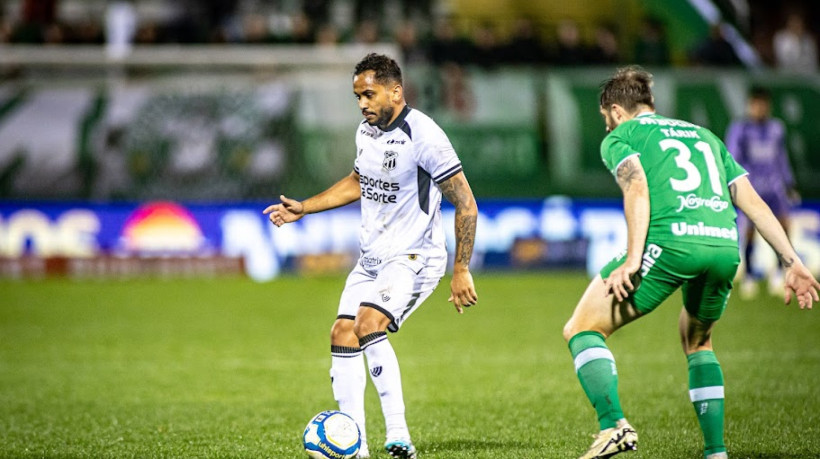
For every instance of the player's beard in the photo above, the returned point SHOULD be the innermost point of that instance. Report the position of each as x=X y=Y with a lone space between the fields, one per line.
x=384 y=118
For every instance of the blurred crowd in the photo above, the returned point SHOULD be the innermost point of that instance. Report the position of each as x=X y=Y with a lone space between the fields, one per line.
x=423 y=29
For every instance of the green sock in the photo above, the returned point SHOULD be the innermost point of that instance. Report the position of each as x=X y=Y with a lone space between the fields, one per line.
x=595 y=367
x=706 y=393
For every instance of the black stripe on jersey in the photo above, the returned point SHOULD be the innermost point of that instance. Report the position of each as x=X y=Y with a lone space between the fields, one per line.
x=399 y=121
x=406 y=128
x=448 y=173
x=423 y=178
x=345 y=316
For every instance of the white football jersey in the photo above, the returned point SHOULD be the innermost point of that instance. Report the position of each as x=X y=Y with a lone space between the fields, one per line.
x=400 y=169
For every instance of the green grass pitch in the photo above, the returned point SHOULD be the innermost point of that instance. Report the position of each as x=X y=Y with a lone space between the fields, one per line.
x=230 y=368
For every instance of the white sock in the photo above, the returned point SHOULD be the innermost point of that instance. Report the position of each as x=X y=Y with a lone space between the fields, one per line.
x=386 y=376
x=348 y=379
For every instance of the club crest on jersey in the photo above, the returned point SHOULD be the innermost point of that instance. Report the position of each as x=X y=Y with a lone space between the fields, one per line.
x=389 y=162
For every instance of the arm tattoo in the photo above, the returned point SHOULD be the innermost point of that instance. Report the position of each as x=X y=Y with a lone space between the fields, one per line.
x=786 y=262
x=626 y=174
x=461 y=197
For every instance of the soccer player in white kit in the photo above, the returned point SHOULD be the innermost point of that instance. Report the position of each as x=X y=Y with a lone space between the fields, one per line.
x=404 y=164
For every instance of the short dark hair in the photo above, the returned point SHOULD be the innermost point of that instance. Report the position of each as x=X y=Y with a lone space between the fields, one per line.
x=629 y=87
x=760 y=93
x=387 y=70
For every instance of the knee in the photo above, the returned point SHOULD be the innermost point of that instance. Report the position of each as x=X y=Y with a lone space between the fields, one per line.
x=365 y=326
x=690 y=347
x=341 y=333
x=569 y=331
x=572 y=328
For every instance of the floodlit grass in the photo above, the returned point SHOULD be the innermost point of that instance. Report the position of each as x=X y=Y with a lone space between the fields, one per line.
x=229 y=368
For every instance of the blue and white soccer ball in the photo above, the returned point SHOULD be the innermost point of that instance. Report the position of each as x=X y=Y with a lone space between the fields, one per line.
x=332 y=435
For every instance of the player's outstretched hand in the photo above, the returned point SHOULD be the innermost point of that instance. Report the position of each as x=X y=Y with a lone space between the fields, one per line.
x=800 y=281
x=622 y=281
x=462 y=291
x=287 y=211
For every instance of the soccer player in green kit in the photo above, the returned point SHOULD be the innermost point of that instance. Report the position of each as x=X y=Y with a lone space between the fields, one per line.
x=680 y=188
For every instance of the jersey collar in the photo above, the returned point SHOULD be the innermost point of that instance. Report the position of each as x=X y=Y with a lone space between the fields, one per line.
x=399 y=119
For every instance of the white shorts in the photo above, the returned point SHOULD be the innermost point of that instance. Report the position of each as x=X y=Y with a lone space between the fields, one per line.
x=396 y=288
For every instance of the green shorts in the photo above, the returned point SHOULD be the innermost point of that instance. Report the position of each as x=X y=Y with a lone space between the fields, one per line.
x=703 y=272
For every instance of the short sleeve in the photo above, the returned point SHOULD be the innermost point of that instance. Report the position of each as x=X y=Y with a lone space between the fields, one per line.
x=733 y=169
x=437 y=156
x=614 y=150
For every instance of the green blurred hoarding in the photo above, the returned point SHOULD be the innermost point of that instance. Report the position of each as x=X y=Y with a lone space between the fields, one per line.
x=238 y=136
x=574 y=128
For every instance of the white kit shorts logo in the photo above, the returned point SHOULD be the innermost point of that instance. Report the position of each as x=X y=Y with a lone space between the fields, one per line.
x=693 y=201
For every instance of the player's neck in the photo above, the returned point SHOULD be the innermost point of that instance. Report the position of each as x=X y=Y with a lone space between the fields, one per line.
x=398 y=115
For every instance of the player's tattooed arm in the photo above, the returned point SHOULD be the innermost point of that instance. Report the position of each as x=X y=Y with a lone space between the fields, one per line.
x=457 y=190
x=787 y=262
x=631 y=178
x=628 y=173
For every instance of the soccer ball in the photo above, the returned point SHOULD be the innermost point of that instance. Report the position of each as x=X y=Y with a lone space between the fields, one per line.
x=332 y=435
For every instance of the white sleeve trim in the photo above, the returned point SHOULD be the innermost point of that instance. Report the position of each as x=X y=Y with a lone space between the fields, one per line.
x=739 y=176
x=622 y=161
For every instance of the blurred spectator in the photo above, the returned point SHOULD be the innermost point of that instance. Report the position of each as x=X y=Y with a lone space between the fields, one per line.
x=120 y=28
x=36 y=17
x=5 y=29
x=758 y=143
x=367 y=32
x=447 y=46
x=255 y=29
x=418 y=10
x=406 y=36
x=147 y=34
x=317 y=10
x=457 y=96
x=570 y=49
x=54 y=34
x=795 y=49
x=605 y=49
x=485 y=50
x=525 y=47
x=87 y=31
x=715 y=50
x=301 y=30
x=217 y=16
x=327 y=35
x=651 y=47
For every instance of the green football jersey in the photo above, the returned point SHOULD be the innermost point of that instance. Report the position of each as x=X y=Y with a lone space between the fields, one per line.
x=688 y=170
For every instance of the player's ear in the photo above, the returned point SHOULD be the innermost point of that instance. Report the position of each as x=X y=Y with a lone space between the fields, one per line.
x=618 y=112
x=397 y=93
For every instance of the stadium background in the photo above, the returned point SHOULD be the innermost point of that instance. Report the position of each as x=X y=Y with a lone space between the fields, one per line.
x=129 y=172
x=97 y=133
